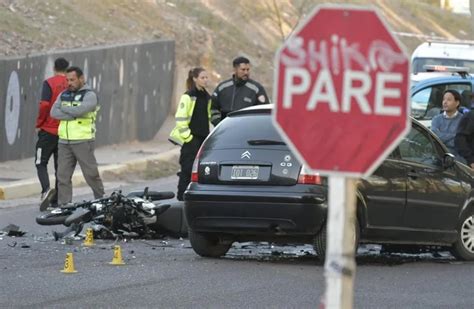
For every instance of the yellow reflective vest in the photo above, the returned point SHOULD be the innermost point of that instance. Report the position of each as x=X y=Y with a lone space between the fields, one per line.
x=81 y=128
x=182 y=133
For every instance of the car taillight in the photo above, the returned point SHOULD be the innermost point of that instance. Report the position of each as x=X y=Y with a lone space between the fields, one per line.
x=307 y=177
x=194 y=171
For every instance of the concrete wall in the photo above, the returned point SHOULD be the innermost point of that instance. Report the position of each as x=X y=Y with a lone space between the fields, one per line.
x=134 y=84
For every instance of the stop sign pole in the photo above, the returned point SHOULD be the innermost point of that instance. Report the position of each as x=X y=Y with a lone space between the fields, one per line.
x=340 y=263
x=341 y=103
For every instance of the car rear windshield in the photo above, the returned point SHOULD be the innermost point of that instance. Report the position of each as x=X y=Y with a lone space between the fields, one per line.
x=246 y=130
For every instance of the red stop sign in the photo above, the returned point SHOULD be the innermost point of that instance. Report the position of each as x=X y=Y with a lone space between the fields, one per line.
x=341 y=91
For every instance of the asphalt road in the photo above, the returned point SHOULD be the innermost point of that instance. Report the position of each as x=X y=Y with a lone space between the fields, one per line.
x=166 y=273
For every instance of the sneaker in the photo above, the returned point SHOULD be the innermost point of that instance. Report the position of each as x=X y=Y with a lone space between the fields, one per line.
x=67 y=205
x=46 y=199
x=52 y=207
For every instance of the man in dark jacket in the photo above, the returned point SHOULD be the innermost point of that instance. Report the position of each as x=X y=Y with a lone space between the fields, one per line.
x=47 y=127
x=237 y=92
x=464 y=140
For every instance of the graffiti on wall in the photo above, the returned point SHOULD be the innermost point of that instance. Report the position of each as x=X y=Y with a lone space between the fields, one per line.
x=12 y=108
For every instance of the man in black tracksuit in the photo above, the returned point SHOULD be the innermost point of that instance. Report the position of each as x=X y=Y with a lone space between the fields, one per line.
x=237 y=92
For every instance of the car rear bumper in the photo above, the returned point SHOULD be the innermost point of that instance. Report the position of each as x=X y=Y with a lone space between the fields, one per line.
x=257 y=214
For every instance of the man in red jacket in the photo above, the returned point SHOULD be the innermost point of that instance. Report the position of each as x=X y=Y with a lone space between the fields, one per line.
x=47 y=128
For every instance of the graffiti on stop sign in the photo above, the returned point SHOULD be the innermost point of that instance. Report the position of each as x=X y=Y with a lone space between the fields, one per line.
x=326 y=60
x=341 y=91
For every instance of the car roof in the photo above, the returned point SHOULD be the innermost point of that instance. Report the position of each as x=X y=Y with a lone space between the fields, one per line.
x=255 y=109
x=442 y=80
x=447 y=49
x=420 y=76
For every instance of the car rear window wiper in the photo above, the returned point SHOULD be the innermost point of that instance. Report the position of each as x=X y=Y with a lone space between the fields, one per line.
x=265 y=142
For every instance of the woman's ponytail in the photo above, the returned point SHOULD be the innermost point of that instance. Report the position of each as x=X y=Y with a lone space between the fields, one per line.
x=193 y=73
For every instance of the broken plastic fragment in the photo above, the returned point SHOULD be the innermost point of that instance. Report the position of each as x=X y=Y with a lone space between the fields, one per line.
x=13 y=230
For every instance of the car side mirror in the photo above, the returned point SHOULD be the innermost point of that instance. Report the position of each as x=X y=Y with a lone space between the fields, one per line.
x=448 y=160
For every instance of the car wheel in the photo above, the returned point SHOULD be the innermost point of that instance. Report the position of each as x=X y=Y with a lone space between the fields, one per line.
x=319 y=243
x=207 y=245
x=463 y=248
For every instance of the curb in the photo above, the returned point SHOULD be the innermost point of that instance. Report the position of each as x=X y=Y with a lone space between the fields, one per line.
x=31 y=186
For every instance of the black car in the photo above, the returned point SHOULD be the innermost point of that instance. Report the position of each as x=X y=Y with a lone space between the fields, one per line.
x=248 y=186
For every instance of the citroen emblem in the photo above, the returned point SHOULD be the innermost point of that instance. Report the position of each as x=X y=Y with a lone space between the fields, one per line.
x=245 y=154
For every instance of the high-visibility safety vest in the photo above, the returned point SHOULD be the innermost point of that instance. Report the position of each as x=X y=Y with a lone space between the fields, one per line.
x=81 y=128
x=182 y=133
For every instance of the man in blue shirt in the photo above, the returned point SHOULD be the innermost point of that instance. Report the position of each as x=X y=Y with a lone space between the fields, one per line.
x=445 y=125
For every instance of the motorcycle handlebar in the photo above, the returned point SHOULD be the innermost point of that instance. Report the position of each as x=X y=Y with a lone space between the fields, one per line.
x=155 y=196
x=152 y=195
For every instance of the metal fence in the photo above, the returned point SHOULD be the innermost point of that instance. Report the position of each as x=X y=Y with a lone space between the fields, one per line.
x=134 y=84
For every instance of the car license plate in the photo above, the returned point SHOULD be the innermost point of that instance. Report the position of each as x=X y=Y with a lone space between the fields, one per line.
x=244 y=172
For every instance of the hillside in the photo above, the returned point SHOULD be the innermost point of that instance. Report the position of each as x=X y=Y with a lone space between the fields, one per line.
x=207 y=32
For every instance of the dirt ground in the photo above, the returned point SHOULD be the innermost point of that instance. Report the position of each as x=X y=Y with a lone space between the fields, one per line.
x=209 y=33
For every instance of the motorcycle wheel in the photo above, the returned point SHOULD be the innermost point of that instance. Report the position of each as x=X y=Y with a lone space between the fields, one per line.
x=52 y=218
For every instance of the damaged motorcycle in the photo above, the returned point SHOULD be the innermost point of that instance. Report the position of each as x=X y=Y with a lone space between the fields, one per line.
x=137 y=214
